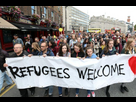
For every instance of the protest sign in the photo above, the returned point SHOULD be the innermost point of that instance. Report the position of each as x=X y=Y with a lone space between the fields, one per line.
x=91 y=74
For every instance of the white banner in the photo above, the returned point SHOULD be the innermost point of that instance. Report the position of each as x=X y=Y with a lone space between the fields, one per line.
x=67 y=72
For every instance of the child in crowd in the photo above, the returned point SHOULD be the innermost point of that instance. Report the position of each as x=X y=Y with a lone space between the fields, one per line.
x=89 y=54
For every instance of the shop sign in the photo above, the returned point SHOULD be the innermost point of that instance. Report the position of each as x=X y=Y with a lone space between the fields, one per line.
x=25 y=21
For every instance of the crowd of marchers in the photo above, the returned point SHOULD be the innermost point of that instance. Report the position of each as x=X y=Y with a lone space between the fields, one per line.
x=79 y=45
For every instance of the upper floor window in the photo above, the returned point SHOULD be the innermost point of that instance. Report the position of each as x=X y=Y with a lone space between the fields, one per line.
x=52 y=16
x=45 y=12
x=33 y=9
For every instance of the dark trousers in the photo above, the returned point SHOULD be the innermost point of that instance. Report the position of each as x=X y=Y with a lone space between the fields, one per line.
x=24 y=92
x=107 y=88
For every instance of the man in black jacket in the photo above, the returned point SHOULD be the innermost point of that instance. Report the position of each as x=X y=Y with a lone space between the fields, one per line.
x=18 y=52
x=3 y=75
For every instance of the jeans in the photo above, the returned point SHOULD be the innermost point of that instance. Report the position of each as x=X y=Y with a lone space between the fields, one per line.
x=77 y=91
x=60 y=90
x=3 y=76
x=50 y=89
x=89 y=91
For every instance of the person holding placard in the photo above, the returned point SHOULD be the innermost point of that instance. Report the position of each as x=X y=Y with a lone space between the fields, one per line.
x=63 y=52
x=89 y=54
x=108 y=51
x=19 y=52
x=78 y=53
x=129 y=49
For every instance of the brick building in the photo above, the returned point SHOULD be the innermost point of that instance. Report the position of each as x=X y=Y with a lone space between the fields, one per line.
x=55 y=13
x=48 y=12
x=27 y=24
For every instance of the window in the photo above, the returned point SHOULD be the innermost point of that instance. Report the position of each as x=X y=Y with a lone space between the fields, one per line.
x=7 y=36
x=33 y=9
x=45 y=13
x=52 y=16
x=59 y=8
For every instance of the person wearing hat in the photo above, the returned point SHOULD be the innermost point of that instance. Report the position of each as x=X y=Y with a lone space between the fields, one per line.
x=17 y=40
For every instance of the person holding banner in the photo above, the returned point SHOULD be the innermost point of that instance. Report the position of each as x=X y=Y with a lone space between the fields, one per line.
x=129 y=49
x=78 y=53
x=89 y=54
x=45 y=51
x=63 y=52
x=107 y=51
x=18 y=52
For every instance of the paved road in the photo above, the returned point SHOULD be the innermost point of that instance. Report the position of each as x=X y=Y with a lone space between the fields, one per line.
x=114 y=90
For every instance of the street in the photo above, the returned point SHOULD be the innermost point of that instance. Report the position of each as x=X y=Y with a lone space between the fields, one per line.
x=114 y=91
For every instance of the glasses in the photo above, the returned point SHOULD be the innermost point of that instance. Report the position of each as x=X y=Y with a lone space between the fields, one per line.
x=17 y=47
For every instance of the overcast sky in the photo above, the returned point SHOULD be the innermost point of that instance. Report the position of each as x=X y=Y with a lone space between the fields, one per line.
x=117 y=12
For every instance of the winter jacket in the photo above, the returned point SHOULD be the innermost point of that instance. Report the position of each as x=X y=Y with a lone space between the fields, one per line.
x=18 y=41
x=49 y=52
x=35 y=52
x=123 y=51
x=109 y=52
x=3 y=55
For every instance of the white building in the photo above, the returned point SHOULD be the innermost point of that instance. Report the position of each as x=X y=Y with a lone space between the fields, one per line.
x=75 y=19
x=106 y=23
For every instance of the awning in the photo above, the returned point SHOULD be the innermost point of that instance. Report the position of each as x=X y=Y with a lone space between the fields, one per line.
x=53 y=29
x=6 y=25
x=28 y=27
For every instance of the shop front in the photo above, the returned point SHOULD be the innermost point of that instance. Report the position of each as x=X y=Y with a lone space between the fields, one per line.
x=22 y=27
x=5 y=34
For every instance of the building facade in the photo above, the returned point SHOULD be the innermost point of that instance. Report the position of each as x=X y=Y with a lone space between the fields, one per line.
x=76 y=19
x=106 y=23
x=27 y=24
x=129 y=26
x=54 y=13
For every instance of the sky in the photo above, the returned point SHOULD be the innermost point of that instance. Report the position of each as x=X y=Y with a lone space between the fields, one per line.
x=117 y=12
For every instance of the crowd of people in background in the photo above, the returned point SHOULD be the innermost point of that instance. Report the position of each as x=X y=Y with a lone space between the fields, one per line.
x=79 y=45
